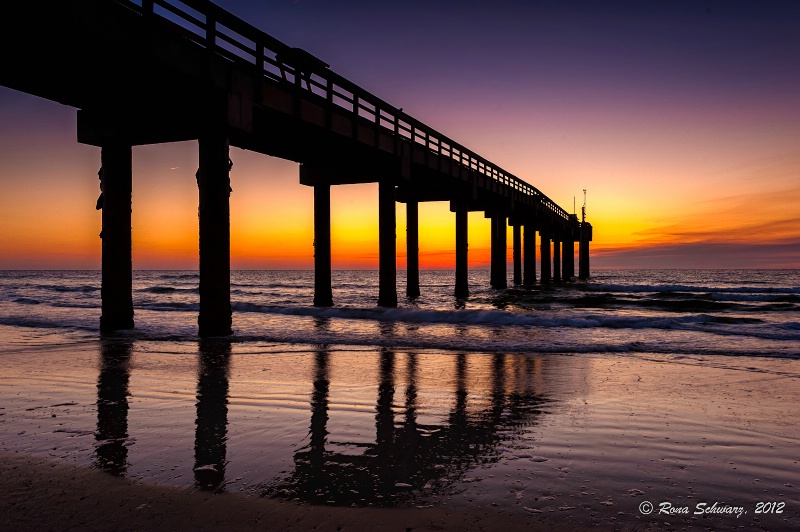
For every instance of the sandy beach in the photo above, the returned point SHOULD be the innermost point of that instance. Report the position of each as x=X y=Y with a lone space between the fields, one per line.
x=42 y=495
x=121 y=436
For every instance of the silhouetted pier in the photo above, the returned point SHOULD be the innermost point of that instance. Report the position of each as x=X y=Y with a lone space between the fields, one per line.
x=154 y=71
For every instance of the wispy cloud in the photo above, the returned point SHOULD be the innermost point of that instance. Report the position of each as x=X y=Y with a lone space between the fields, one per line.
x=781 y=254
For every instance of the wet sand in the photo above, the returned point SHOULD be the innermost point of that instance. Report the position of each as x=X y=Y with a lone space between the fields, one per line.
x=113 y=437
x=36 y=494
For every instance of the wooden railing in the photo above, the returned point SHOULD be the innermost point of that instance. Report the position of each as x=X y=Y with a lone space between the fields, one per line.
x=234 y=39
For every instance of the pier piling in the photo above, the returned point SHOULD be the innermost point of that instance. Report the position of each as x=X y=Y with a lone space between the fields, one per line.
x=568 y=260
x=583 y=250
x=213 y=181
x=529 y=258
x=517 y=254
x=323 y=294
x=387 y=276
x=462 y=247
x=499 y=244
x=545 y=255
x=117 y=267
x=556 y=260
x=412 y=249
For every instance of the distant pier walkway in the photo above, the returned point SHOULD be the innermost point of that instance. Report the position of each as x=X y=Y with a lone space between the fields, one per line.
x=154 y=71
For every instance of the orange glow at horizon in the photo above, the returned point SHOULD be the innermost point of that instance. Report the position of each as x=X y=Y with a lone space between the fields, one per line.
x=49 y=220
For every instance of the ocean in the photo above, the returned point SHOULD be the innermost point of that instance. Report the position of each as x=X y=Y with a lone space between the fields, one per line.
x=576 y=402
x=724 y=312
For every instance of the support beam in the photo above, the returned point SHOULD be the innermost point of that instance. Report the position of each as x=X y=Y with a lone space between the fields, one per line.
x=568 y=260
x=213 y=181
x=117 y=277
x=529 y=256
x=517 y=254
x=556 y=260
x=387 y=256
x=462 y=246
x=412 y=249
x=323 y=295
x=499 y=243
x=545 y=254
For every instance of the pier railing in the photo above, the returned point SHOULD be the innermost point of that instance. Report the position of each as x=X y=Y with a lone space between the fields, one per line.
x=234 y=39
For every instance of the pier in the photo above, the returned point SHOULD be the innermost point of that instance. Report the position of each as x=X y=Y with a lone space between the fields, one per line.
x=157 y=71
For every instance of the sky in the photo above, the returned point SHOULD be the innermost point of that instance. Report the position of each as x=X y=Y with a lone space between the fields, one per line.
x=681 y=119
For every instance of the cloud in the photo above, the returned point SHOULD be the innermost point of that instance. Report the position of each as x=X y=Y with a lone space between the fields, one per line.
x=712 y=255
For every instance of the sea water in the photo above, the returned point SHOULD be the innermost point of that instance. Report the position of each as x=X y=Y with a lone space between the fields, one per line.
x=725 y=312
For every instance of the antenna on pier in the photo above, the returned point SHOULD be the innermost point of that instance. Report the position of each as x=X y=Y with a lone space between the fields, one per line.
x=583 y=209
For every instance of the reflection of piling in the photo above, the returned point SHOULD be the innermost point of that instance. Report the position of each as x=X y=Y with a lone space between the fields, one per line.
x=210 y=444
x=111 y=453
x=409 y=458
x=411 y=392
x=319 y=414
x=384 y=423
x=322 y=324
x=498 y=384
x=458 y=419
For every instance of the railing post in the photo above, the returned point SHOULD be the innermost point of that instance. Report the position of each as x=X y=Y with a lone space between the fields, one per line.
x=355 y=116
x=258 y=84
x=260 y=58
x=211 y=33
x=377 y=125
x=329 y=101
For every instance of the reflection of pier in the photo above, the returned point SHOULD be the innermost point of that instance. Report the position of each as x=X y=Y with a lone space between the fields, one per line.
x=157 y=71
x=210 y=448
x=111 y=452
x=407 y=456
x=416 y=450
